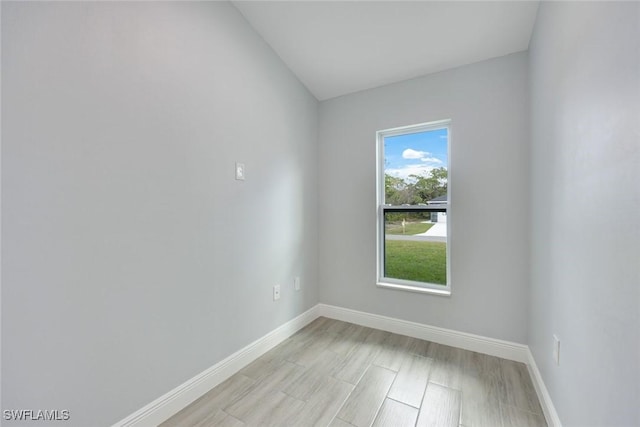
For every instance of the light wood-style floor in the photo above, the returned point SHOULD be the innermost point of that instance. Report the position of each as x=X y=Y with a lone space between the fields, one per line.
x=337 y=374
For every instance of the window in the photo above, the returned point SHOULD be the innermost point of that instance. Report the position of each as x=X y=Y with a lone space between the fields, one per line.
x=413 y=203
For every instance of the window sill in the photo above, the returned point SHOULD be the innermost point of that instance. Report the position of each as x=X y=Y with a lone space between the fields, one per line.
x=418 y=289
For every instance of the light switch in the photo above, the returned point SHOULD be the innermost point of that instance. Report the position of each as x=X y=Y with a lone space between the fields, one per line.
x=240 y=171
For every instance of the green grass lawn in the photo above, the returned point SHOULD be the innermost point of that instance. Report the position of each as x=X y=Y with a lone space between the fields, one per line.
x=410 y=228
x=417 y=261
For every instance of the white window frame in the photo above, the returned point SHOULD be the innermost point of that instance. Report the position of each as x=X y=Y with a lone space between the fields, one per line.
x=400 y=284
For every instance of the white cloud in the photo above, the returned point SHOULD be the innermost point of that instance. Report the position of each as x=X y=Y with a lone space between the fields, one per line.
x=423 y=156
x=414 y=169
x=431 y=160
x=414 y=154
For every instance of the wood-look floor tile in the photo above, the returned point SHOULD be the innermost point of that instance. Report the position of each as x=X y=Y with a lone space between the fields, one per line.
x=419 y=347
x=308 y=333
x=327 y=362
x=261 y=368
x=396 y=414
x=219 y=419
x=357 y=362
x=337 y=422
x=393 y=351
x=376 y=337
x=217 y=398
x=271 y=385
x=307 y=354
x=313 y=378
x=323 y=405
x=289 y=345
x=328 y=374
x=353 y=367
x=271 y=409
x=482 y=377
x=361 y=407
x=264 y=365
x=515 y=417
x=411 y=380
x=518 y=388
x=482 y=386
x=349 y=339
x=447 y=367
x=280 y=379
x=299 y=341
x=320 y=324
x=480 y=412
x=337 y=327
x=478 y=364
x=440 y=407
x=191 y=415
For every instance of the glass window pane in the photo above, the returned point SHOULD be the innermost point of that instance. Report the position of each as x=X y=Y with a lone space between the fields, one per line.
x=415 y=246
x=415 y=168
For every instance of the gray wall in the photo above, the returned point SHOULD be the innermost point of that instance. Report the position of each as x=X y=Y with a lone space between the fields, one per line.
x=488 y=105
x=132 y=259
x=585 y=89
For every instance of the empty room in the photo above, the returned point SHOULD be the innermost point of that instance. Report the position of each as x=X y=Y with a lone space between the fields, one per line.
x=320 y=213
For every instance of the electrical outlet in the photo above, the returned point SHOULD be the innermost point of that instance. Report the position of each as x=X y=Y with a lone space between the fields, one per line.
x=276 y=292
x=556 y=349
x=296 y=283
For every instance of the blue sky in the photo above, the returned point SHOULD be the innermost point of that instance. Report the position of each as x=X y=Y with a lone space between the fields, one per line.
x=415 y=153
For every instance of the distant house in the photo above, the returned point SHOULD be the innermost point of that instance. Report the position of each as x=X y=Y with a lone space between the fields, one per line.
x=439 y=216
x=438 y=200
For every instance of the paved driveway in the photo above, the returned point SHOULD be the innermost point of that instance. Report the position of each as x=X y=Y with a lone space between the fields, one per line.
x=439 y=229
x=417 y=237
x=437 y=233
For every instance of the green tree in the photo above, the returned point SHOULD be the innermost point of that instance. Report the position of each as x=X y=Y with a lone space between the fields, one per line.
x=429 y=187
x=399 y=192
x=416 y=189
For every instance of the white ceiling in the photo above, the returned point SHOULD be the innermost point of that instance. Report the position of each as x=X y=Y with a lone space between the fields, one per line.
x=340 y=47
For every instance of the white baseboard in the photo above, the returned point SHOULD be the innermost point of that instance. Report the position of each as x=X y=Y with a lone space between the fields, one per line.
x=543 y=394
x=172 y=402
x=477 y=343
